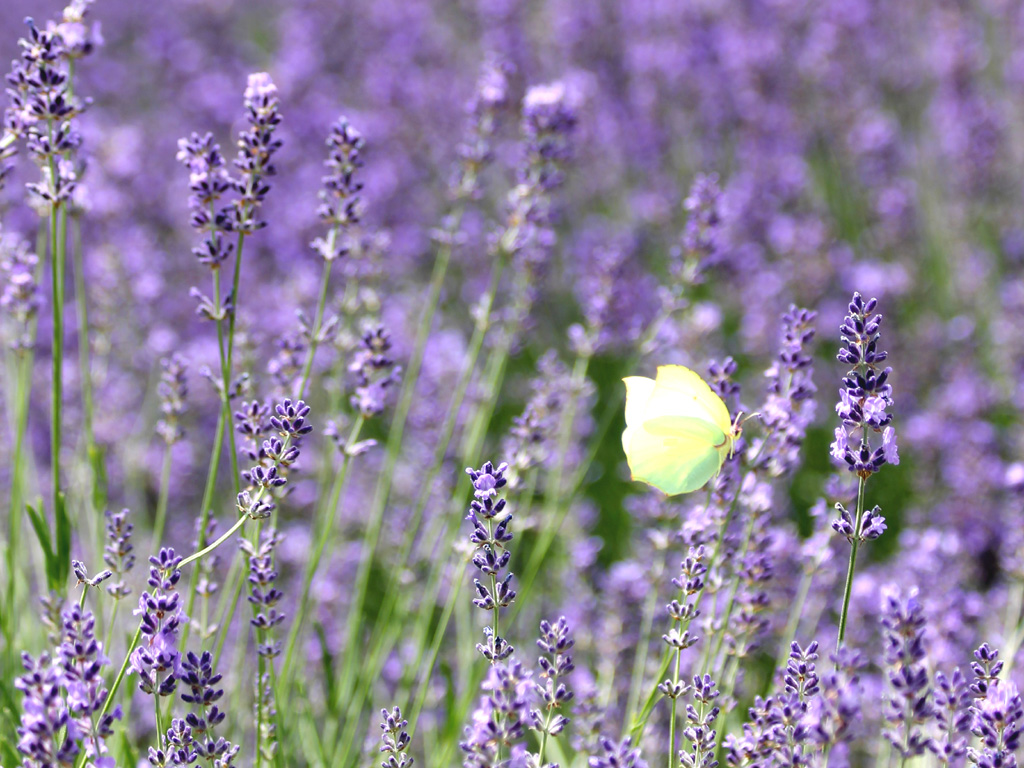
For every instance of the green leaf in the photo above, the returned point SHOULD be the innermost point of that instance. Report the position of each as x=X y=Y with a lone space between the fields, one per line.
x=42 y=529
x=326 y=661
x=63 y=553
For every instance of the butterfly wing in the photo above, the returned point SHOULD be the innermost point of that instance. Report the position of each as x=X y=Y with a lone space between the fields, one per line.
x=676 y=454
x=678 y=391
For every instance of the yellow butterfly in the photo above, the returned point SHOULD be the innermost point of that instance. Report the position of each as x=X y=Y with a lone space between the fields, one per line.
x=678 y=431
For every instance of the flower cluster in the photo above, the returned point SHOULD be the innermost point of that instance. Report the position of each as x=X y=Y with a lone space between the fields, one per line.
x=499 y=722
x=395 y=739
x=55 y=727
x=264 y=594
x=701 y=235
x=375 y=372
x=20 y=298
x=118 y=552
x=778 y=732
x=192 y=738
x=42 y=109
x=276 y=456
x=998 y=723
x=256 y=149
x=157 y=660
x=789 y=407
x=909 y=706
x=341 y=205
x=555 y=663
x=865 y=393
x=476 y=151
x=617 y=754
x=682 y=611
x=172 y=389
x=700 y=731
x=489 y=538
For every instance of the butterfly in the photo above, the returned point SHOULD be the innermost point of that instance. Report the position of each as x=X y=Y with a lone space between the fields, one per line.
x=678 y=431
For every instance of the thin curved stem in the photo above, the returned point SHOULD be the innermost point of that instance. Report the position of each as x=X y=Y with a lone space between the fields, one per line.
x=850 y=568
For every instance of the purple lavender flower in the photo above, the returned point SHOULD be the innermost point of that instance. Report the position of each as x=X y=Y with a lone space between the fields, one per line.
x=395 y=740
x=256 y=149
x=193 y=737
x=997 y=722
x=475 y=151
x=620 y=754
x=21 y=297
x=498 y=725
x=489 y=538
x=952 y=714
x=700 y=732
x=865 y=394
x=47 y=735
x=986 y=668
x=118 y=552
x=157 y=660
x=682 y=611
x=375 y=372
x=81 y=662
x=276 y=457
x=341 y=205
x=43 y=110
x=264 y=593
x=173 y=389
x=909 y=705
x=555 y=663
x=789 y=407
x=209 y=181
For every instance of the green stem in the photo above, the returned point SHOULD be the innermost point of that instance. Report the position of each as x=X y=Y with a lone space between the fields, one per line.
x=161 y=502
x=672 y=716
x=850 y=568
x=57 y=391
x=709 y=655
x=85 y=367
x=372 y=531
x=795 y=614
x=327 y=527
x=647 y=628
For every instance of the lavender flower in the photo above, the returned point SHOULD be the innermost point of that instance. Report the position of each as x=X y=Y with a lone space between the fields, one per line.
x=475 y=152
x=341 y=205
x=997 y=722
x=209 y=181
x=489 y=538
x=47 y=735
x=42 y=111
x=276 y=457
x=21 y=296
x=701 y=236
x=264 y=594
x=682 y=611
x=193 y=738
x=986 y=668
x=118 y=552
x=256 y=149
x=789 y=407
x=909 y=705
x=499 y=722
x=395 y=739
x=375 y=372
x=865 y=394
x=81 y=662
x=952 y=714
x=620 y=754
x=173 y=389
x=555 y=663
x=700 y=732
x=157 y=660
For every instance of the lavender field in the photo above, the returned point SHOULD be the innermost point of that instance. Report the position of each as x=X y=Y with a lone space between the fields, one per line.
x=315 y=316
